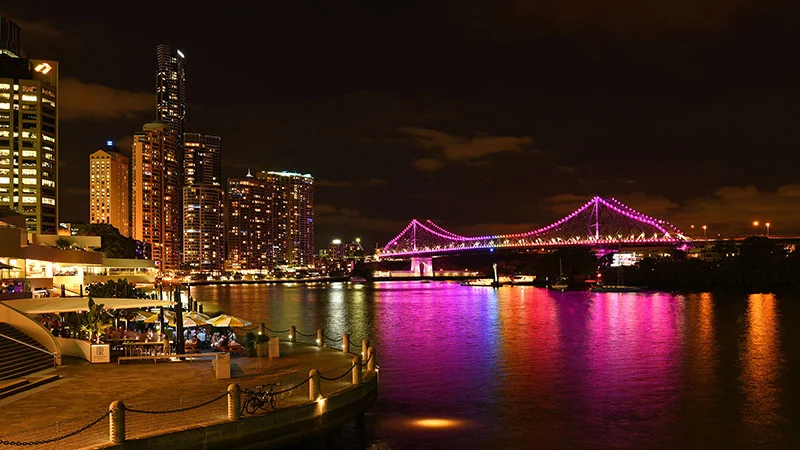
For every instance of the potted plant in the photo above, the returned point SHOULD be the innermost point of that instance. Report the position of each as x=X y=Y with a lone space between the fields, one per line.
x=250 y=343
x=262 y=345
x=94 y=320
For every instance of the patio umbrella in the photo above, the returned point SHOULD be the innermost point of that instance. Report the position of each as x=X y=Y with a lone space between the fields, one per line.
x=197 y=316
x=143 y=316
x=225 y=320
x=192 y=322
x=168 y=316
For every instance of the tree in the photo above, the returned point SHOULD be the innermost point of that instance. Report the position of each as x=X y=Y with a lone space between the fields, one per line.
x=62 y=243
x=114 y=245
x=120 y=288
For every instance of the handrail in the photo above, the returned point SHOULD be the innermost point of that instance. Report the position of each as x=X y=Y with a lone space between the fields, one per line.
x=29 y=345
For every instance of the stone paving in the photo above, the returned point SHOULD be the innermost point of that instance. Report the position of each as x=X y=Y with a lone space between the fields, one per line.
x=85 y=391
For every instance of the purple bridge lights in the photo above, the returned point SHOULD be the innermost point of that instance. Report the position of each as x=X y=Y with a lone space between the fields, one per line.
x=600 y=222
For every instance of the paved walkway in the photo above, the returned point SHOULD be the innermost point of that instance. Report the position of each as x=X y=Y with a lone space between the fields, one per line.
x=85 y=391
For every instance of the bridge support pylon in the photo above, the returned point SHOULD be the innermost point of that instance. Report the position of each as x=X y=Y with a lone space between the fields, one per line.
x=422 y=267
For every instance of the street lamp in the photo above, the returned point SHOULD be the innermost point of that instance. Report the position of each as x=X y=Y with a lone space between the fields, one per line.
x=755 y=224
x=767 y=225
x=704 y=231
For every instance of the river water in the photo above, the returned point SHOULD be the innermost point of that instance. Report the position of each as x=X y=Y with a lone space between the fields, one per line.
x=524 y=367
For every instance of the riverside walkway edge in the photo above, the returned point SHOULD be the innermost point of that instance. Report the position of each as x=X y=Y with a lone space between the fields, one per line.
x=277 y=428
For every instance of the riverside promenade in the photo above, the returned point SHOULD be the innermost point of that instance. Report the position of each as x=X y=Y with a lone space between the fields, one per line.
x=181 y=398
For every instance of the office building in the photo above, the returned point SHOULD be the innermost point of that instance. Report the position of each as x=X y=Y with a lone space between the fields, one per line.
x=10 y=44
x=110 y=188
x=28 y=134
x=292 y=223
x=157 y=199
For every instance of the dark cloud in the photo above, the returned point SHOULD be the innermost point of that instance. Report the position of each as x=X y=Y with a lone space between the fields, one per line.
x=461 y=149
x=81 y=101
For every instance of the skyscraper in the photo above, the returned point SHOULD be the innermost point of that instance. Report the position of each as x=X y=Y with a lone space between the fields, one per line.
x=292 y=222
x=247 y=215
x=171 y=90
x=9 y=38
x=202 y=159
x=203 y=204
x=28 y=133
x=157 y=198
x=109 y=188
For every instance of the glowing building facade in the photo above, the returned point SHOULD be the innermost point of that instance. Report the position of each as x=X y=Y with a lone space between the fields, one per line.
x=247 y=220
x=157 y=197
x=28 y=134
x=292 y=222
x=110 y=188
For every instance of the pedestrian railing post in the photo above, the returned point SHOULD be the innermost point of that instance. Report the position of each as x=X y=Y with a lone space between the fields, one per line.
x=313 y=385
x=234 y=402
x=320 y=342
x=292 y=333
x=356 y=370
x=346 y=343
x=364 y=347
x=371 y=359
x=116 y=422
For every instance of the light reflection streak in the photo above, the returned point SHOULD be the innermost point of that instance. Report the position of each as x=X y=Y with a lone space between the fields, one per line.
x=762 y=366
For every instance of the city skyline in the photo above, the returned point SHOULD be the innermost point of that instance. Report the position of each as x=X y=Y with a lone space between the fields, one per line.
x=492 y=125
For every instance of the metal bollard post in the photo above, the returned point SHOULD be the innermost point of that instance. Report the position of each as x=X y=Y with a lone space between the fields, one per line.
x=234 y=402
x=346 y=343
x=116 y=422
x=292 y=333
x=364 y=347
x=356 y=370
x=320 y=341
x=371 y=359
x=262 y=329
x=313 y=385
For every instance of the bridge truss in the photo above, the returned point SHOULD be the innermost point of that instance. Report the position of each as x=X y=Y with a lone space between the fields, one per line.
x=599 y=222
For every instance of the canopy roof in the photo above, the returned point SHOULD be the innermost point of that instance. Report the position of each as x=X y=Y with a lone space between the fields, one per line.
x=72 y=304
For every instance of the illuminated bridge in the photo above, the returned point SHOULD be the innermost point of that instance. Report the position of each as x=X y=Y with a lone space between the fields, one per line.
x=600 y=222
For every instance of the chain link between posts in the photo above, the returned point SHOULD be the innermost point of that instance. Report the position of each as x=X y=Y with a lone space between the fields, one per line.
x=56 y=439
x=170 y=411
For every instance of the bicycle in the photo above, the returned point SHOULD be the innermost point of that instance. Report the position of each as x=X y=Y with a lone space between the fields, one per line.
x=262 y=397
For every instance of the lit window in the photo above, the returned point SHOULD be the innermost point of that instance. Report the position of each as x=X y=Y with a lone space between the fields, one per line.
x=48 y=201
x=29 y=153
x=29 y=98
x=30 y=200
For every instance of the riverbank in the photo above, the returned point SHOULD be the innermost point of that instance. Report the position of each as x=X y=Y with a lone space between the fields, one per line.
x=190 y=390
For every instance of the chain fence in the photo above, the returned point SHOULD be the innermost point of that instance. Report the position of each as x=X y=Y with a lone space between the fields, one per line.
x=147 y=418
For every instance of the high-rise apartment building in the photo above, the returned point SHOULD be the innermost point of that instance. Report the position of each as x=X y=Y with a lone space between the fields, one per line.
x=292 y=230
x=110 y=188
x=247 y=217
x=157 y=199
x=203 y=228
x=28 y=133
x=270 y=221
x=171 y=90
x=203 y=203
x=202 y=159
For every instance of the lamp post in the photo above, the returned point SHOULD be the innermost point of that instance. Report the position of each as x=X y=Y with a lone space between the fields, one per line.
x=755 y=224
x=705 y=228
x=767 y=225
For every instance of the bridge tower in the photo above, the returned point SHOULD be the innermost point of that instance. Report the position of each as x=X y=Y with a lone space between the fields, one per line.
x=422 y=267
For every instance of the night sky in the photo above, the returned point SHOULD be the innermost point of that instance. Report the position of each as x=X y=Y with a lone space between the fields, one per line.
x=486 y=117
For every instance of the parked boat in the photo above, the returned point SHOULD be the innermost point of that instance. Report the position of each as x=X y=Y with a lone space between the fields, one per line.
x=523 y=280
x=561 y=283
